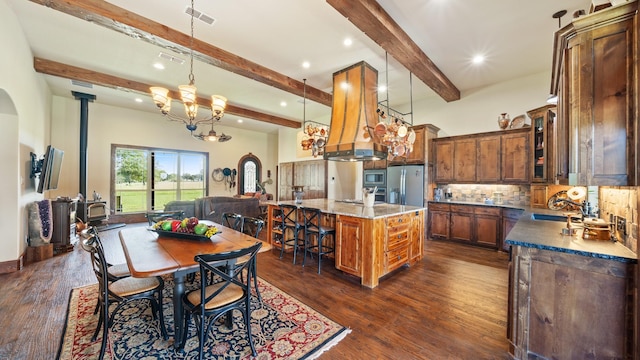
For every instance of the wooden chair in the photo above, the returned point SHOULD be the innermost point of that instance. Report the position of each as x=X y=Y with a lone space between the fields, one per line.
x=313 y=227
x=231 y=292
x=120 y=291
x=232 y=220
x=290 y=221
x=252 y=227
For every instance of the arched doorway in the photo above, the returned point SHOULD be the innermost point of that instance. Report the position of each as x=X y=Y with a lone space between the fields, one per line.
x=249 y=174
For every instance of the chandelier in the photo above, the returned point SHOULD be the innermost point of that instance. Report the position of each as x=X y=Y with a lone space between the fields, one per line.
x=212 y=135
x=315 y=134
x=189 y=98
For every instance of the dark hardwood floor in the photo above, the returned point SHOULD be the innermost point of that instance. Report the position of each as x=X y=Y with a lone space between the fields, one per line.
x=452 y=305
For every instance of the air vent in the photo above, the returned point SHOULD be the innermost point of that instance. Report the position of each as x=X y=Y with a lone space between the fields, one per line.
x=200 y=16
x=82 y=83
x=171 y=58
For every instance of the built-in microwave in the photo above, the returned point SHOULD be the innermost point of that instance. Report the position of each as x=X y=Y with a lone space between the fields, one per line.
x=373 y=178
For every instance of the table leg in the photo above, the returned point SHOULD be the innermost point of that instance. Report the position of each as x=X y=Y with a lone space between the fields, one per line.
x=178 y=291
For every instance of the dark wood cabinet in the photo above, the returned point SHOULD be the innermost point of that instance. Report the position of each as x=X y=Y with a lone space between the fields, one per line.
x=444 y=150
x=509 y=219
x=462 y=223
x=439 y=220
x=64 y=235
x=542 y=144
x=515 y=158
x=470 y=224
x=596 y=78
x=539 y=196
x=374 y=164
x=488 y=161
x=311 y=175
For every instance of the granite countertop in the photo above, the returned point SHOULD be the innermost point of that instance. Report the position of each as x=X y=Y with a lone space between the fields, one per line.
x=545 y=234
x=477 y=203
x=353 y=209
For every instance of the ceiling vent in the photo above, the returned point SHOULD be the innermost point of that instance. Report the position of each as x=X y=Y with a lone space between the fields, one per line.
x=171 y=58
x=82 y=83
x=200 y=16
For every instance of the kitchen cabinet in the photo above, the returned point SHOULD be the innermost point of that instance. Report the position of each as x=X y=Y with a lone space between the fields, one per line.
x=539 y=196
x=396 y=247
x=595 y=75
x=416 y=248
x=568 y=306
x=495 y=157
x=421 y=153
x=509 y=219
x=471 y=224
x=349 y=235
x=542 y=142
x=374 y=164
x=311 y=175
x=515 y=158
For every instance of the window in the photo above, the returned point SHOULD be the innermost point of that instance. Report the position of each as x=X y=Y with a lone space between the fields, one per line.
x=145 y=179
x=249 y=168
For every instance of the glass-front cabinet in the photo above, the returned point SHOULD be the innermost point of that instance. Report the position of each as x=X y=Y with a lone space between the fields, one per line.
x=542 y=141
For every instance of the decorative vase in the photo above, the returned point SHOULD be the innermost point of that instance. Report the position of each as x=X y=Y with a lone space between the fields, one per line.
x=503 y=121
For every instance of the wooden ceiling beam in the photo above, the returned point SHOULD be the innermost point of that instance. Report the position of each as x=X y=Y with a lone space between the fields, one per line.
x=134 y=25
x=50 y=67
x=373 y=20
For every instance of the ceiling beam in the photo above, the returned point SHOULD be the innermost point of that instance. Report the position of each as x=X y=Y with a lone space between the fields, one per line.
x=134 y=25
x=375 y=22
x=50 y=67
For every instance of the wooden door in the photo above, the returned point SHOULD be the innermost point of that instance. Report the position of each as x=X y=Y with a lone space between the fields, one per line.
x=515 y=157
x=488 y=161
x=439 y=224
x=465 y=160
x=444 y=161
x=349 y=233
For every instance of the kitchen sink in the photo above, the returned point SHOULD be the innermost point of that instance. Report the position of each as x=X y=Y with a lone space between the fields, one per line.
x=549 y=217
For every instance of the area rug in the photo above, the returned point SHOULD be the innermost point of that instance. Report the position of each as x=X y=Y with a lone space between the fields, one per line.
x=282 y=328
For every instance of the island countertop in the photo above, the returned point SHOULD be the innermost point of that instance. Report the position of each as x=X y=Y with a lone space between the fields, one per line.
x=353 y=209
x=544 y=234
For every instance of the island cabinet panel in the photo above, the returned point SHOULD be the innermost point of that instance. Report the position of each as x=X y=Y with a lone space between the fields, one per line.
x=396 y=249
x=568 y=306
x=349 y=234
x=416 y=249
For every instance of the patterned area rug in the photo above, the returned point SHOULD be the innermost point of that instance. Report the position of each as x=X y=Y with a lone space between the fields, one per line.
x=282 y=328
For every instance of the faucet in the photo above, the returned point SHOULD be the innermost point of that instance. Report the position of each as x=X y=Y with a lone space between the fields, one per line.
x=585 y=206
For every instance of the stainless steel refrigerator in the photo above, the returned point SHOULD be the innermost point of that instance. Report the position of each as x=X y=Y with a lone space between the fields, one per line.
x=405 y=185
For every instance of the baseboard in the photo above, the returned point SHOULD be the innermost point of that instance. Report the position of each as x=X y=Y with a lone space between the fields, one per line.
x=12 y=265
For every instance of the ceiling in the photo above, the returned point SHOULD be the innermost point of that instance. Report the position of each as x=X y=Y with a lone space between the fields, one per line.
x=515 y=36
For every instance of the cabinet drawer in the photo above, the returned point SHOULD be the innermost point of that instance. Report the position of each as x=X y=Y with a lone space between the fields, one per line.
x=487 y=210
x=400 y=220
x=397 y=238
x=462 y=209
x=439 y=206
x=396 y=257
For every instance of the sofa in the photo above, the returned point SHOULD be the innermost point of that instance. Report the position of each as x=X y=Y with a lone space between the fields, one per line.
x=212 y=207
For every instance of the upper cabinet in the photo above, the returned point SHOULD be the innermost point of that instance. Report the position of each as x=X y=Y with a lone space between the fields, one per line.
x=542 y=144
x=595 y=76
x=494 y=157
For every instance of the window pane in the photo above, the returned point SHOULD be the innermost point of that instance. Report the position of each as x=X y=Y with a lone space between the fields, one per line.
x=165 y=176
x=192 y=178
x=249 y=176
x=131 y=179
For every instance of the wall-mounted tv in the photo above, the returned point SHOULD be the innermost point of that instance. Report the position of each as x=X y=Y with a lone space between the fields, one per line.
x=51 y=165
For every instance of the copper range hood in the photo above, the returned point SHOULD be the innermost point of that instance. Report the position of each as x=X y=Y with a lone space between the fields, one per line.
x=353 y=115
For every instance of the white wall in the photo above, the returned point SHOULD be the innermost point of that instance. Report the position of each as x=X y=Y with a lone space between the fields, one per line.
x=112 y=125
x=24 y=110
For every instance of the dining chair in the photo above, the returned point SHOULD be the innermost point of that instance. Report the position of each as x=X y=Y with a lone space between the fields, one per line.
x=290 y=221
x=313 y=227
x=230 y=292
x=252 y=227
x=232 y=220
x=120 y=291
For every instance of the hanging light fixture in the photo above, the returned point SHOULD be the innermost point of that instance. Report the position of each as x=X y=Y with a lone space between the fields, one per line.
x=315 y=134
x=188 y=96
x=212 y=136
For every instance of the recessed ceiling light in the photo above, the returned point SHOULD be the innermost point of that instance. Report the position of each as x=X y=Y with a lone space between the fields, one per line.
x=159 y=66
x=306 y=65
x=478 y=59
x=240 y=121
x=283 y=103
x=382 y=88
x=138 y=100
x=347 y=42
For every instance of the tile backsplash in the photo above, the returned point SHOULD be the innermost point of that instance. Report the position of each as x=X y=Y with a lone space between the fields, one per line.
x=621 y=201
x=511 y=194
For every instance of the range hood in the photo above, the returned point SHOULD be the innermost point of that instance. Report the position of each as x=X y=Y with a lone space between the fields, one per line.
x=353 y=115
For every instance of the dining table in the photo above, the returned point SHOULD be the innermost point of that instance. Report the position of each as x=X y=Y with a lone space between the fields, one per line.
x=150 y=254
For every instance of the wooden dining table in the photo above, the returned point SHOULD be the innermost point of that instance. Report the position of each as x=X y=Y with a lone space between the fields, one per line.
x=149 y=254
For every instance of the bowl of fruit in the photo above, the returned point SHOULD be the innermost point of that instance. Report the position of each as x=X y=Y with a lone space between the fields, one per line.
x=188 y=228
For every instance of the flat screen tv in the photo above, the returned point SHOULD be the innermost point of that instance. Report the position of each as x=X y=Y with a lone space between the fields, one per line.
x=51 y=165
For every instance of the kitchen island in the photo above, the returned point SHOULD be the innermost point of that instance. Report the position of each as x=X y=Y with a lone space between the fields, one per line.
x=569 y=298
x=370 y=242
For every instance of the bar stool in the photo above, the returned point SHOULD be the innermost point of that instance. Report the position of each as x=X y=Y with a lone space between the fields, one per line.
x=290 y=221
x=313 y=226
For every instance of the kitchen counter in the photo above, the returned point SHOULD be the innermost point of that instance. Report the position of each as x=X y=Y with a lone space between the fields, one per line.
x=354 y=209
x=370 y=242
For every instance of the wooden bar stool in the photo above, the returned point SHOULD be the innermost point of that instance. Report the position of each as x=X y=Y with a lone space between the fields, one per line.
x=290 y=221
x=313 y=226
